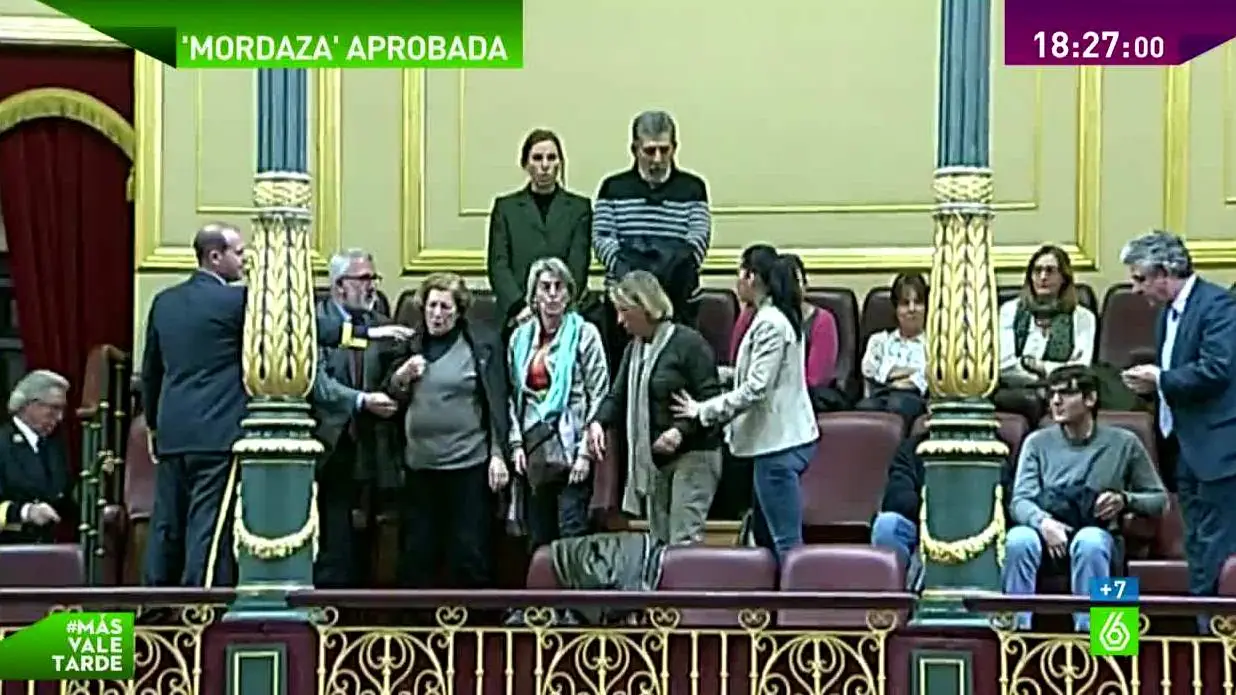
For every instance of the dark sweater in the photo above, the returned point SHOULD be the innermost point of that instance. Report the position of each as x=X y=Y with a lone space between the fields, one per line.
x=686 y=364
x=903 y=491
x=638 y=226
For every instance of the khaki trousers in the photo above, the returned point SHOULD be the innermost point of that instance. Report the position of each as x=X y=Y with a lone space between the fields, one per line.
x=681 y=495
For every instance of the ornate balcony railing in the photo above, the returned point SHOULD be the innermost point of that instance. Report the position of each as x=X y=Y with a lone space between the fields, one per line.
x=1174 y=656
x=667 y=642
x=672 y=642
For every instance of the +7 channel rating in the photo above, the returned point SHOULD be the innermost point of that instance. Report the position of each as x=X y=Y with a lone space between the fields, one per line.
x=1115 y=625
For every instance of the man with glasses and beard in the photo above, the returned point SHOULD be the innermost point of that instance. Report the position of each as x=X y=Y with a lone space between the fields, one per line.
x=192 y=383
x=654 y=217
x=361 y=464
x=1075 y=480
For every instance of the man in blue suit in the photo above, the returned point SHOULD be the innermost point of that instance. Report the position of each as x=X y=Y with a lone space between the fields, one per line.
x=1195 y=379
x=195 y=401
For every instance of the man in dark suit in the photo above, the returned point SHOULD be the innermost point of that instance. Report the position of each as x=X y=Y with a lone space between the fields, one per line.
x=1195 y=381
x=36 y=488
x=360 y=469
x=195 y=401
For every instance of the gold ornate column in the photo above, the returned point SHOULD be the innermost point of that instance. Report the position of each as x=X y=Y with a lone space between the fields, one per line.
x=962 y=522
x=275 y=529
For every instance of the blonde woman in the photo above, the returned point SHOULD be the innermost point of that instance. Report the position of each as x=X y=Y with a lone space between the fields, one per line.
x=673 y=463
x=558 y=380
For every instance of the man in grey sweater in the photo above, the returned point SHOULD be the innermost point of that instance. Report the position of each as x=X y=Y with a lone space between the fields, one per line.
x=1074 y=482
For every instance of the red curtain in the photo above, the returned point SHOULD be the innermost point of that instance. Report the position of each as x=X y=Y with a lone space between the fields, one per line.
x=66 y=215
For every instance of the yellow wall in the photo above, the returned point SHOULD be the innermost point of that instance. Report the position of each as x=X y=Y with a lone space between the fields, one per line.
x=813 y=135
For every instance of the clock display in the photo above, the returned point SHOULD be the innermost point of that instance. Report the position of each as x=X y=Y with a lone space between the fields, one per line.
x=1096 y=46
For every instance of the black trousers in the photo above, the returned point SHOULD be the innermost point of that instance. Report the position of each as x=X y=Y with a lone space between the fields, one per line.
x=736 y=489
x=445 y=529
x=190 y=540
x=1209 y=527
x=346 y=523
x=910 y=405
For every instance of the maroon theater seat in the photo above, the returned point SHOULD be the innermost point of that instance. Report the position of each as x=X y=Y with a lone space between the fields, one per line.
x=844 y=483
x=840 y=568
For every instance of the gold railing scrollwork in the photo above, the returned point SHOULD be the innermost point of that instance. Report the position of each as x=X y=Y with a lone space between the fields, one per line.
x=1170 y=659
x=168 y=653
x=655 y=654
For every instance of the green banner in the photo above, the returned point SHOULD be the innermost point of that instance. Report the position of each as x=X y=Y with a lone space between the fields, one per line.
x=312 y=33
x=71 y=646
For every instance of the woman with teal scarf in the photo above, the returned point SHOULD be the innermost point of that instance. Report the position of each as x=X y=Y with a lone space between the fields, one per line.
x=558 y=380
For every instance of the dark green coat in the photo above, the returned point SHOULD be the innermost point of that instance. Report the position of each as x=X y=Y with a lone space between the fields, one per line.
x=518 y=237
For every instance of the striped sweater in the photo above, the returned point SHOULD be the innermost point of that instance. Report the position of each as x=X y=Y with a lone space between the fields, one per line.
x=631 y=216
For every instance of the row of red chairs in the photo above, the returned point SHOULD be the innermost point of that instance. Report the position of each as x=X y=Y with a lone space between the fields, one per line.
x=1126 y=322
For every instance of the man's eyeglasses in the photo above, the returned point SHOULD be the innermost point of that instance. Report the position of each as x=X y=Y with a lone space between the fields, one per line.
x=369 y=277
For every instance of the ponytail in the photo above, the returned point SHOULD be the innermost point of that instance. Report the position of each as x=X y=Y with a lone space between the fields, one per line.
x=779 y=275
x=785 y=292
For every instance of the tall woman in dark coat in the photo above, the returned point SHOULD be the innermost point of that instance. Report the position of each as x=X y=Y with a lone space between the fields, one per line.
x=540 y=220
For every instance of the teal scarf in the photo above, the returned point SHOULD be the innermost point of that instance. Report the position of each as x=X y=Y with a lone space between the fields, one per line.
x=561 y=356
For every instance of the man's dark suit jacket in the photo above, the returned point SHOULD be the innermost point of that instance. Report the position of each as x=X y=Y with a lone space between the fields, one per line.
x=191 y=367
x=1200 y=383
x=335 y=393
x=518 y=237
x=27 y=477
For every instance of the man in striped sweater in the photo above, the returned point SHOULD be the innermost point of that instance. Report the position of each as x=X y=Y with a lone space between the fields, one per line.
x=654 y=217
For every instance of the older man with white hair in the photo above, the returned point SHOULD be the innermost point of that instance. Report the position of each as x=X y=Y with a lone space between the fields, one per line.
x=1195 y=381
x=35 y=484
x=361 y=467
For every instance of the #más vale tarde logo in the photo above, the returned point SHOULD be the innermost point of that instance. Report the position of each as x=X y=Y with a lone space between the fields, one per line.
x=71 y=646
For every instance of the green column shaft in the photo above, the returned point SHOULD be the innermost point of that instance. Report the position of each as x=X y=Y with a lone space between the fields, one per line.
x=962 y=529
x=275 y=528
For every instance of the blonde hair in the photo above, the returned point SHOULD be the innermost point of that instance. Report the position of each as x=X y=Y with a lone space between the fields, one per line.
x=640 y=289
x=554 y=266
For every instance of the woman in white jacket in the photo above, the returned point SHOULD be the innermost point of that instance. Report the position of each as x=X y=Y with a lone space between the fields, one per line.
x=767 y=413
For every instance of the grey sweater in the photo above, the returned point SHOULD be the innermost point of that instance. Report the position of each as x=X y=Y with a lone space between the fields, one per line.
x=444 y=424
x=1121 y=464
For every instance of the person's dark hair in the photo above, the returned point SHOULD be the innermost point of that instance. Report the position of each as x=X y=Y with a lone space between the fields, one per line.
x=779 y=276
x=909 y=281
x=800 y=268
x=535 y=138
x=1067 y=300
x=209 y=238
x=1075 y=377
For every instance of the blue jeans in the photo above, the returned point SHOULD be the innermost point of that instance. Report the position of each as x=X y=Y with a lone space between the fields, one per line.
x=1090 y=557
x=897 y=533
x=558 y=510
x=777 y=478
